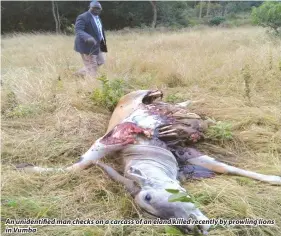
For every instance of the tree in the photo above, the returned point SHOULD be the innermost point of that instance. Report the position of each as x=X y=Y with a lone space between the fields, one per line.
x=56 y=16
x=224 y=8
x=55 y=11
x=200 y=11
x=268 y=15
x=208 y=8
x=153 y=24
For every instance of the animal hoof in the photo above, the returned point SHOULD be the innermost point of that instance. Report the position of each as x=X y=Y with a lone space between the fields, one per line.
x=275 y=180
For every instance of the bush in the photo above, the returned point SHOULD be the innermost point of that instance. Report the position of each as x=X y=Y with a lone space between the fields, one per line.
x=70 y=29
x=220 y=131
x=110 y=93
x=173 y=98
x=267 y=15
x=217 y=20
x=21 y=111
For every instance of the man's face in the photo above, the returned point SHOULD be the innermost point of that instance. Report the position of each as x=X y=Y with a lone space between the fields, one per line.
x=96 y=11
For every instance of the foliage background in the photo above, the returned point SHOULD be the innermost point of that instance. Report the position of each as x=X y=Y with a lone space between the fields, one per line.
x=27 y=16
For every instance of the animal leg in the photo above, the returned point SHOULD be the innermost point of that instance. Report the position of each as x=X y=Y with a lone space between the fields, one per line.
x=129 y=184
x=97 y=151
x=184 y=104
x=187 y=103
x=122 y=135
x=196 y=158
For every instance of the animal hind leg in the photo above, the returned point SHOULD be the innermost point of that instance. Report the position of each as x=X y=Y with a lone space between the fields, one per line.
x=122 y=135
x=187 y=103
x=196 y=158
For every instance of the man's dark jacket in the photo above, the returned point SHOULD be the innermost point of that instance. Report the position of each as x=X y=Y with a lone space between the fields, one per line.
x=85 y=28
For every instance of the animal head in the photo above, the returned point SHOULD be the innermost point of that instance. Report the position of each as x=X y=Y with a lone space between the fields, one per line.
x=156 y=203
x=153 y=198
x=131 y=102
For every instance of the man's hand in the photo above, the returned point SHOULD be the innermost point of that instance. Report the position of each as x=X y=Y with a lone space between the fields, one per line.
x=91 y=41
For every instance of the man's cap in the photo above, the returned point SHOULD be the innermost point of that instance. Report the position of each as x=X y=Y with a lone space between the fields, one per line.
x=95 y=4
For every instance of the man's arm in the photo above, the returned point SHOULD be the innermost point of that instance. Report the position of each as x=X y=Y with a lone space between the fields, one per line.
x=80 y=26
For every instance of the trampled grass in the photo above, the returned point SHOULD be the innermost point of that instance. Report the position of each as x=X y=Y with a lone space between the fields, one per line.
x=48 y=119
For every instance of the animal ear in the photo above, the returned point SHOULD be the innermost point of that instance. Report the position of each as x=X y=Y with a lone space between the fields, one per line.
x=138 y=176
x=129 y=184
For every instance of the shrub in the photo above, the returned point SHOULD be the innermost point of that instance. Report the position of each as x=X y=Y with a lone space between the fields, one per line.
x=9 y=101
x=267 y=15
x=220 y=131
x=21 y=111
x=110 y=93
x=70 y=29
x=173 y=98
x=247 y=80
x=216 y=20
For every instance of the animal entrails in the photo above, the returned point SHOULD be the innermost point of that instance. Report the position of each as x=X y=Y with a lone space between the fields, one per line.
x=152 y=138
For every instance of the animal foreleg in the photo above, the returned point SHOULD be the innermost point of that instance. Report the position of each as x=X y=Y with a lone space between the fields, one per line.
x=129 y=184
x=196 y=158
x=123 y=134
x=184 y=104
x=97 y=151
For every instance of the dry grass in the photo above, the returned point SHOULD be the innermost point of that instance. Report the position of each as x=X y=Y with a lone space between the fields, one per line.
x=48 y=119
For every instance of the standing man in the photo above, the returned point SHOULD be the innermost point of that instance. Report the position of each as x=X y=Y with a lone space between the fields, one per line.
x=90 y=40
